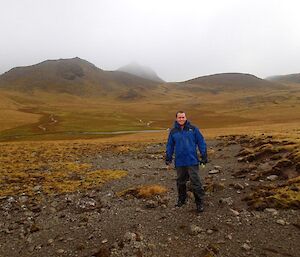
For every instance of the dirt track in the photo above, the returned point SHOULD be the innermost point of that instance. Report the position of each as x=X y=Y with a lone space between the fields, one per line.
x=100 y=222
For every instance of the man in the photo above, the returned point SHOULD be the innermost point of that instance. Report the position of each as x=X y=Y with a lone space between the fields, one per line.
x=185 y=138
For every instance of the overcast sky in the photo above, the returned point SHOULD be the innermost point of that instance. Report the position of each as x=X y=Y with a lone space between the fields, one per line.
x=180 y=40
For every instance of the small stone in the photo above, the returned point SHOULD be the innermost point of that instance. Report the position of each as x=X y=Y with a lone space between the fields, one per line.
x=104 y=241
x=209 y=231
x=215 y=171
x=272 y=177
x=246 y=247
x=229 y=237
x=37 y=188
x=129 y=236
x=60 y=251
x=238 y=186
x=50 y=241
x=272 y=211
x=281 y=222
x=236 y=213
x=23 y=199
x=227 y=201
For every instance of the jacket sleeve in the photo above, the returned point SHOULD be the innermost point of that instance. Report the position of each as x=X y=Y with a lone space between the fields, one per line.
x=170 y=149
x=201 y=145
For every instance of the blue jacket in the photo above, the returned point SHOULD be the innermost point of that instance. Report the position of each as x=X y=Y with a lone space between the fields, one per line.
x=185 y=142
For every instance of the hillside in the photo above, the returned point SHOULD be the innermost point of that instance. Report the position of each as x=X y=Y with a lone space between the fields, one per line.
x=141 y=71
x=72 y=98
x=232 y=81
x=73 y=76
x=290 y=78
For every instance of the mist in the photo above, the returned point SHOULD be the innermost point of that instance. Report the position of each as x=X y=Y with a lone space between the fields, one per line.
x=180 y=40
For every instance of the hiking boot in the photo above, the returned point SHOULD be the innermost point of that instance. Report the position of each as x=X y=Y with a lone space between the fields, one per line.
x=200 y=208
x=180 y=204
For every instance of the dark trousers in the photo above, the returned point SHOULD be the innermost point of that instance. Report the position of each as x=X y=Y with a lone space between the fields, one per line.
x=189 y=173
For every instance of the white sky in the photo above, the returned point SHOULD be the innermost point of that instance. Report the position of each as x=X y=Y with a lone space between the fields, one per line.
x=180 y=40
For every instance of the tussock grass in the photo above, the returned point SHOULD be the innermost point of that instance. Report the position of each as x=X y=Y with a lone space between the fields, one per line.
x=143 y=191
x=50 y=168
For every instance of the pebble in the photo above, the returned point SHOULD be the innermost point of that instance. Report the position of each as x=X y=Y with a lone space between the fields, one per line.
x=281 y=222
x=60 y=251
x=213 y=171
x=236 y=213
x=229 y=237
x=246 y=247
x=209 y=231
x=50 y=241
x=271 y=210
x=104 y=241
x=129 y=236
x=238 y=186
x=272 y=177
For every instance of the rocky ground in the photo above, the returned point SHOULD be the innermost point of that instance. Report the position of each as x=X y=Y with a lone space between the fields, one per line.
x=251 y=207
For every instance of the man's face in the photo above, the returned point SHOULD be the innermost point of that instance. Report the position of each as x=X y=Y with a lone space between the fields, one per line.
x=181 y=118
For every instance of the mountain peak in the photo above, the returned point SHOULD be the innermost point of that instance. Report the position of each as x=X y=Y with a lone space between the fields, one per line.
x=136 y=69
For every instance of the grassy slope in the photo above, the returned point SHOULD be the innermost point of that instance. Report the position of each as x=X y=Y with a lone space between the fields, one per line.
x=22 y=114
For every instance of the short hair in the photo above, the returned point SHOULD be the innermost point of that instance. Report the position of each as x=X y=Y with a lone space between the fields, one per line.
x=179 y=112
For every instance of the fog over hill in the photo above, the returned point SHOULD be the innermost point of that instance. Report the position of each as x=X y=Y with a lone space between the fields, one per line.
x=73 y=76
x=79 y=77
x=141 y=71
x=289 y=78
x=233 y=81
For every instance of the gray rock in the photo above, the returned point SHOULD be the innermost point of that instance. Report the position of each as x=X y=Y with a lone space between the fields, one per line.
x=281 y=222
x=215 y=171
x=272 y=211
x=37 y=188
x=234 y=212
x=246 y=247
x=226 y=201
x=23 y=199
x=238 y=186
x=209 y=231
x=272 y=177
x=129 y=237
x=60 y=251
x=87 y=204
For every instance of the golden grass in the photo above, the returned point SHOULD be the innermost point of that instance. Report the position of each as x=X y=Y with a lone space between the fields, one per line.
x=143 y=191
x=51 y=167
x=221 y=113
